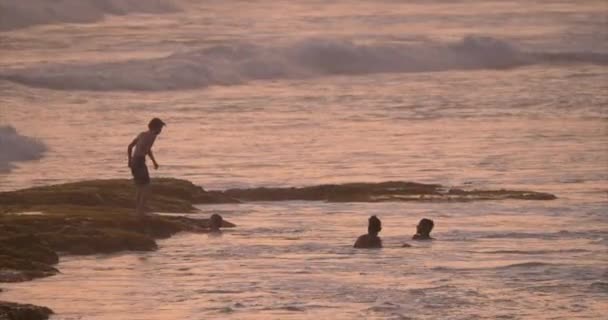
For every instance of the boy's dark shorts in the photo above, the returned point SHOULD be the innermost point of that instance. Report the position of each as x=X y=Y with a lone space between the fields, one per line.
x=141 y=176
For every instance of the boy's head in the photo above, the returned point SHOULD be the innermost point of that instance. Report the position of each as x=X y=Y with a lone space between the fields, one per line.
x=156 y=125
x=215 y=222
x=374 y=226
x=425 y=226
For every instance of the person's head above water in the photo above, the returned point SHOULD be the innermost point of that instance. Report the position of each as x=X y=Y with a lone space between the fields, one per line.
x=156 y=125
x=423 y=229
x=215 y=222
x=374 y=225
x=371 y=239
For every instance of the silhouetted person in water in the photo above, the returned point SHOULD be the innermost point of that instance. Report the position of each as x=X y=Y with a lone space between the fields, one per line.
x=423 y=230
x=371 y=239
x=137 y=162
x=215 y=223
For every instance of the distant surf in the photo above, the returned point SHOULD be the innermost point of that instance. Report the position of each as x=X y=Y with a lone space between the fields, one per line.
x=23 y=14
x=240 y=62
x=15 y=147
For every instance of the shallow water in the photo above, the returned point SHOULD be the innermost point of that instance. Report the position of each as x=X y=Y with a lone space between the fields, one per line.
x=329 y=93
x=295 y=260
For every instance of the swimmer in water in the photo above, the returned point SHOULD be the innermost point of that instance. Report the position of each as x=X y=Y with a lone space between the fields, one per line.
x=371 y=239
x=423 y=230
x=215 y=223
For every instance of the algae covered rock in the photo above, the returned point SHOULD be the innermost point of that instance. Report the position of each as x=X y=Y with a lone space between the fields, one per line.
x=85 y=241
x=332 y=192
x=89 y=217
x=90 y=232
x=380 y=192
x=17 y=311
x=168 y=195
x=29 y=247
x=175 y=195
x=25 y=257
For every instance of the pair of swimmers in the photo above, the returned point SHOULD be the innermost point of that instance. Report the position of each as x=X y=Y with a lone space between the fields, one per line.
x=371 y=239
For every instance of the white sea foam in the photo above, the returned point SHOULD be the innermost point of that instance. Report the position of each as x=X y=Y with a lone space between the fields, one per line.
x=15 y=14
x=241 y=62
x=15 y=147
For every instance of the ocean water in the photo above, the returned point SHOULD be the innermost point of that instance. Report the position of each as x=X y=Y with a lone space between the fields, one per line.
x=492 y=94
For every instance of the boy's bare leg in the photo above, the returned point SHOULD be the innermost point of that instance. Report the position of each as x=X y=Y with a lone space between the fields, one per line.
x=138 y=195
x=143 y=199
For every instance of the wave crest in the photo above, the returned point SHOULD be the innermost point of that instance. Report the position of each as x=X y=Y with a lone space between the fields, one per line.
x=15 y=147
x=26 y=13
x=242 y=62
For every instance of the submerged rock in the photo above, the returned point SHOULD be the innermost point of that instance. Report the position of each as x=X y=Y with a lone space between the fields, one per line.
x=17 y=311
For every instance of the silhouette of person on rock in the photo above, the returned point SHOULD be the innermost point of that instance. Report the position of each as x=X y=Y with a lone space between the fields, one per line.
x=371 y=239
x=137 y=151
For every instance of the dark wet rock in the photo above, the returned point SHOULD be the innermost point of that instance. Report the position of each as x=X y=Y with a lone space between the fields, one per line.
x=17 y=311
x=90 y=232
x=30 y=250
x=85 y=241
x=86 y=218
x=169 y=195
x=175 y=195
x=89 y=217
x=28 y=246
x=14 y=269
x=333 y=192
x=379 y=192
x=25 y=258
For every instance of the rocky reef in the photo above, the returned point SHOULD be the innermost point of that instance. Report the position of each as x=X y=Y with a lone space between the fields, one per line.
x=378 y=192
x=170 y=195
x=17 y=311
x=175 y=195
x=39 y=224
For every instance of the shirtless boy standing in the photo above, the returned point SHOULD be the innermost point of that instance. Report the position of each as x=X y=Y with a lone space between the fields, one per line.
x=137 y=162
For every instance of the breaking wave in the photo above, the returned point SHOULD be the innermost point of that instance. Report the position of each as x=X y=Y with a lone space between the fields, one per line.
x=242 y=62
x=523 y=265
x=564 y=234
x=15 y=147
x=16 y=14
x=533 y=252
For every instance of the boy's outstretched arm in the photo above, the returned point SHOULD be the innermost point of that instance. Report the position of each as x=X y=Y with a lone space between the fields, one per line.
x=151 y=155
x=130 y=150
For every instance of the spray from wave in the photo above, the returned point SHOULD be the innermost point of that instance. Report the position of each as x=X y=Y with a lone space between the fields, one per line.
x=15 y=147
x=16 y=14
x=242 y=62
